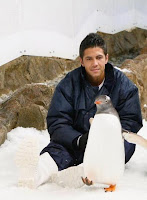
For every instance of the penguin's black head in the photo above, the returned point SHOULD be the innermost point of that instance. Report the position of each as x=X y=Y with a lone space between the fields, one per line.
x=104 y=105
x=102 y=99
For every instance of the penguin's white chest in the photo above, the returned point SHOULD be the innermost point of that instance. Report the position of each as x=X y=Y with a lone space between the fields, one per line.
x=104 y=156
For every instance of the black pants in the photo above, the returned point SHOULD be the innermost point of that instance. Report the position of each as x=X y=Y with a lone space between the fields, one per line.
x=64 y=158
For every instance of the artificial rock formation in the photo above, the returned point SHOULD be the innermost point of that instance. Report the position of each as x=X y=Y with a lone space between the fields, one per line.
x=138 y=74
x=26 y=88
x=125 y=44
x=32 y=69
x=27 y=107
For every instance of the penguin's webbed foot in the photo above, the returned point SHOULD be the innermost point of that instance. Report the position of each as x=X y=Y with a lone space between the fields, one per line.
x=87 y=181
x=111 y=188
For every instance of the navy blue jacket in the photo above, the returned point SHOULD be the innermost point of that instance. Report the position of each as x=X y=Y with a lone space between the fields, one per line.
x=73 y=105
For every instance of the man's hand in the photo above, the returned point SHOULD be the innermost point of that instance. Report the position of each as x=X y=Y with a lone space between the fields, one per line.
x=82 y=140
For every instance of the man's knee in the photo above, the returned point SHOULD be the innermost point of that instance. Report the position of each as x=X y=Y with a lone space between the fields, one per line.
x=60 y=155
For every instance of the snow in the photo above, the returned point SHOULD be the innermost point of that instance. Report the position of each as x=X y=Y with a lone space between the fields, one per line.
x=133 y=185
x=123 y=70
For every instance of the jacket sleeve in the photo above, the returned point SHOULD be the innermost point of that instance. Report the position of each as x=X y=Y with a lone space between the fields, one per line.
x=61 y=115
x=130 y=114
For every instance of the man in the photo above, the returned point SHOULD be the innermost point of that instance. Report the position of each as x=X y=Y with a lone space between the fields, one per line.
x=73 y=105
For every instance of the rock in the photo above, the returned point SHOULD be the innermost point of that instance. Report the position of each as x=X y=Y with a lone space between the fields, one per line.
x=138 y=75
x=3 y=134
x=32 y=69
x=32 y=116
x=125 y=44
x=26 y=107
x=144 y=49
x=29 y=82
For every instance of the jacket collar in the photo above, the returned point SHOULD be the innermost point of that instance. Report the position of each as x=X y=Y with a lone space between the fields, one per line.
x=109 y=77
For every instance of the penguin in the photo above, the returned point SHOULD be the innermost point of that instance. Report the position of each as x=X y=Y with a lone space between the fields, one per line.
x=104 y=157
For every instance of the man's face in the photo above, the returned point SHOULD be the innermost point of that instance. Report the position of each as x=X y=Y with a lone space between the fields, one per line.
x=94 y=61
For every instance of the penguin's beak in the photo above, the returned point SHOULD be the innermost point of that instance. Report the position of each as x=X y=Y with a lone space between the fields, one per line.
x=97 y=102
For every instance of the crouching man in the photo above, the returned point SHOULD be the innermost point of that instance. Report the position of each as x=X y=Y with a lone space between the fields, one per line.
x=71 y=108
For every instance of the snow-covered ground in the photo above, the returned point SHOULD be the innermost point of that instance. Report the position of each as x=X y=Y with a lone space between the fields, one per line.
x=132 y=186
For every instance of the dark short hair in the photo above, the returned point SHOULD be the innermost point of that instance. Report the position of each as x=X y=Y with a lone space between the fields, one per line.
x=92 y=40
